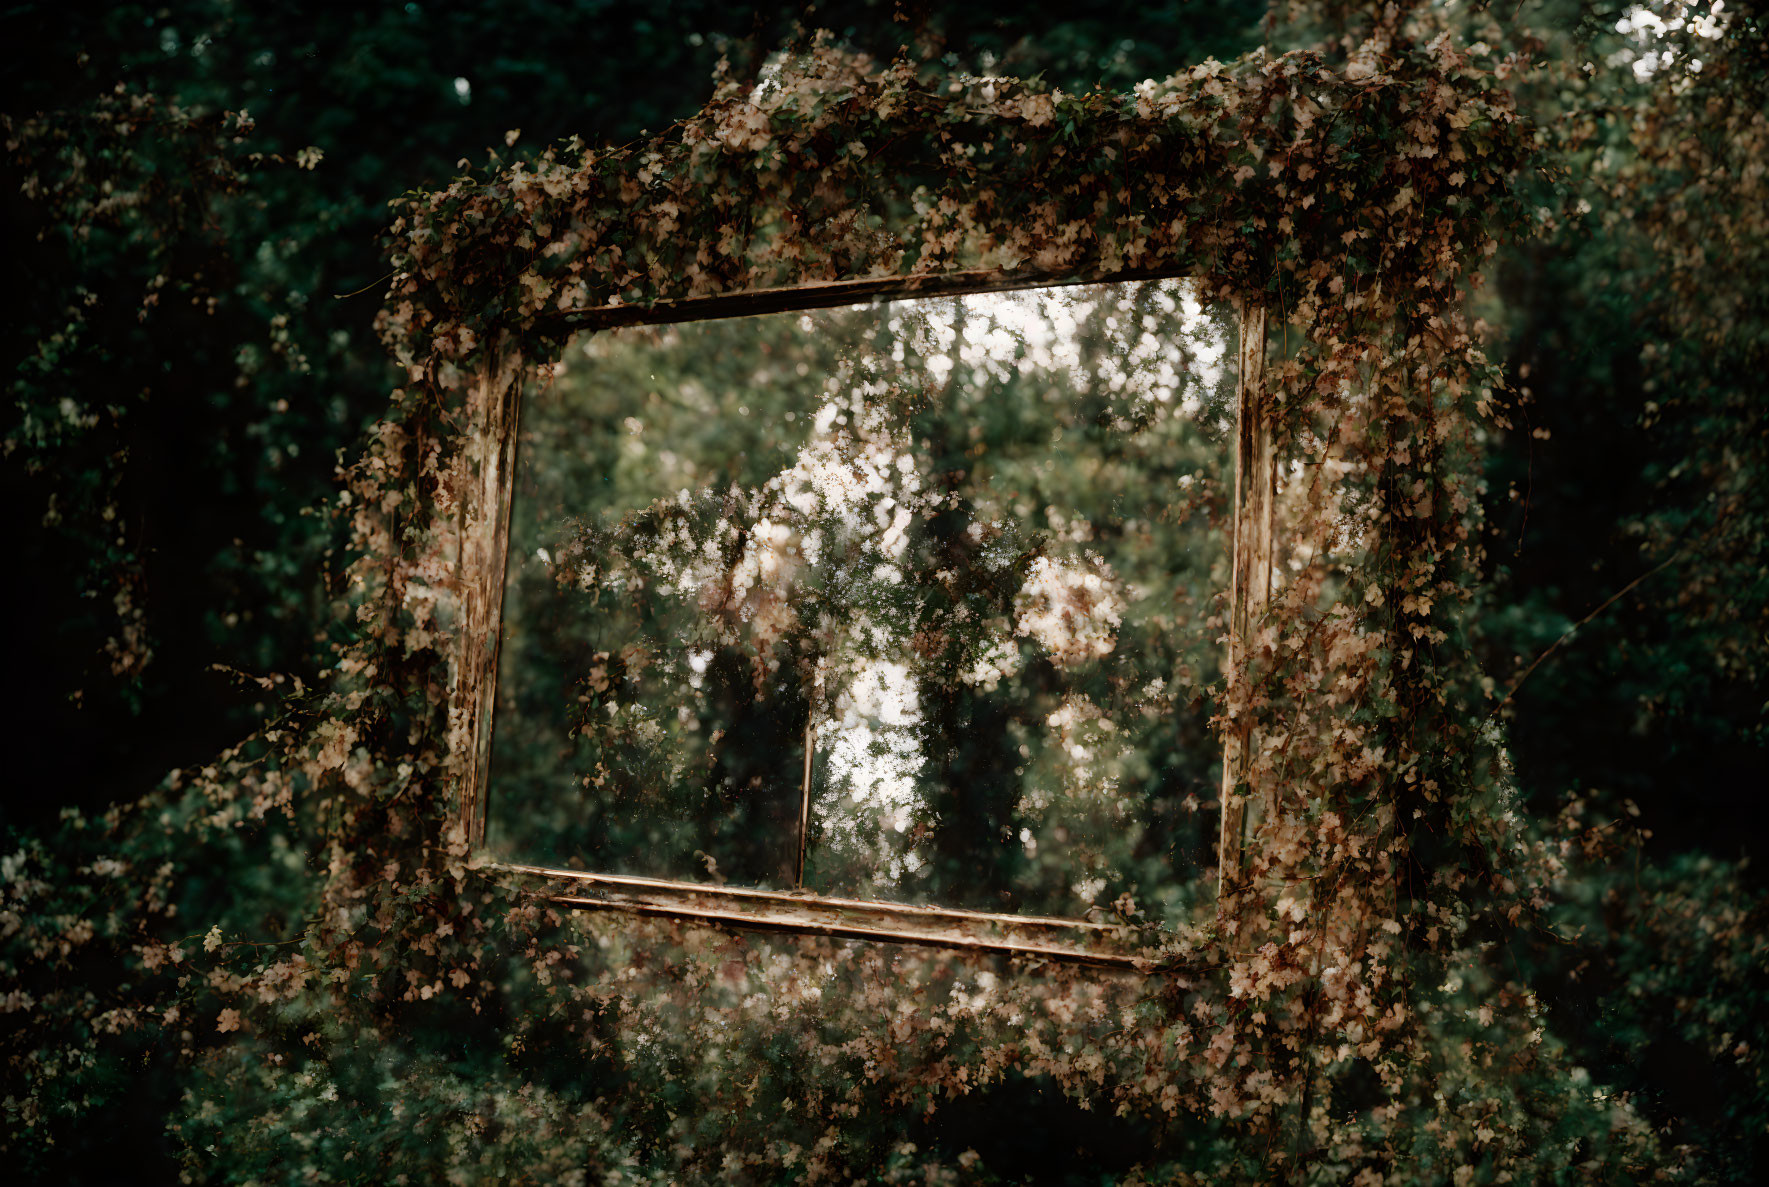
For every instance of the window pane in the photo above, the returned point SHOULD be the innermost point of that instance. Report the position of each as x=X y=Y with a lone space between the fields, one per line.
x=964 y=544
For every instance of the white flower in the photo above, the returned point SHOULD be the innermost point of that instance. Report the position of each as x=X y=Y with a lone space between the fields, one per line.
x=1072 y=608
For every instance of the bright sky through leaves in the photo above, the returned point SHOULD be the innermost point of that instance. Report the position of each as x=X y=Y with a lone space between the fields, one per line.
x=963 y=541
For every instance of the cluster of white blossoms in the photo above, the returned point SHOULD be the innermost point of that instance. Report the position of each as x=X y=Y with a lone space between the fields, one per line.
x=1071 y=607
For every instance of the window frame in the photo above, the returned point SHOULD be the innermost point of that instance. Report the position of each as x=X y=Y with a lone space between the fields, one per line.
x=483 y=560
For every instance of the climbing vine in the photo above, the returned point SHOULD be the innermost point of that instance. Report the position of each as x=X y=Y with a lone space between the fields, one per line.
x=1341 y=1017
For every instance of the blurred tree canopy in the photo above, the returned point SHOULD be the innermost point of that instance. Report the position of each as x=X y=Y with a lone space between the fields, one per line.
x=195 y=199
x=874 y=491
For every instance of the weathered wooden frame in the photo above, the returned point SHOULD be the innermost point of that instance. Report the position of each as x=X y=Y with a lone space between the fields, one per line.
x=484 y=533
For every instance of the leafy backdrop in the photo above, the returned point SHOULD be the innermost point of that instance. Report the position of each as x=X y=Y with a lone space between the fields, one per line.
x=207 y=968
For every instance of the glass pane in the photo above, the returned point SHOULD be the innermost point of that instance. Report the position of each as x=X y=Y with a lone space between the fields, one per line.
x=969 y=547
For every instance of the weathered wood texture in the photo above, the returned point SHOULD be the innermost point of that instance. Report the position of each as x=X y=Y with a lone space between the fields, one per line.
x=830 y=294
x=486 y=485
x=1250 y=588
x=1031 y=936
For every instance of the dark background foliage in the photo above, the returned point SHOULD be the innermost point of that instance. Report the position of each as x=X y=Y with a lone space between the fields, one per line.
x=211 y=473
x=184 y=376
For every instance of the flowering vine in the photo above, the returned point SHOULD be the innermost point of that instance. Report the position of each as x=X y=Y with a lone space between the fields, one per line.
x=1337 y=1019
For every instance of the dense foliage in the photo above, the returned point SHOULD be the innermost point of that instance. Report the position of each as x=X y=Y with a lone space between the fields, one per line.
x=942 y=536
x=1486 y=939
